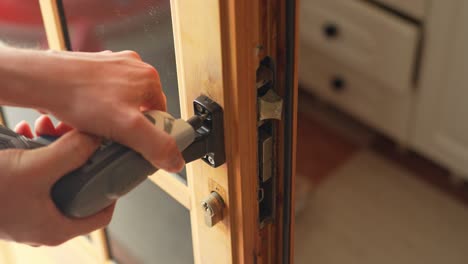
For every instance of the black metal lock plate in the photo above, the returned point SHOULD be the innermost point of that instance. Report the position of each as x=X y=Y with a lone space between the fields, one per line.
x=209 y=146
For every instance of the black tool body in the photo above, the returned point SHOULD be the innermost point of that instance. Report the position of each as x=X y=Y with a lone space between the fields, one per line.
x=114 y=170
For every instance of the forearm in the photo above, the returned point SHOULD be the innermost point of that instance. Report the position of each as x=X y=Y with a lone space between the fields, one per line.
x=29 y=78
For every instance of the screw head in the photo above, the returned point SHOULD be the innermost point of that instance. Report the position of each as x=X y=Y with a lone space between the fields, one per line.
x=210 y=159
x=199 y=108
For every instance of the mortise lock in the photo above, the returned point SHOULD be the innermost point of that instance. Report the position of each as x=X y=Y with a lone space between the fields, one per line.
x=213 y=207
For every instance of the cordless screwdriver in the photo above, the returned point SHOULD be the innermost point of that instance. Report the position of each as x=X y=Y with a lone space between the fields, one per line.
x=113 y=170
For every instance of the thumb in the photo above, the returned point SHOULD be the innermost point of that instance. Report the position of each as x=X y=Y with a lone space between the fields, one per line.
x=62 y=156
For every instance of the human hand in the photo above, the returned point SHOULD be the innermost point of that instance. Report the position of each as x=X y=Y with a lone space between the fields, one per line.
x=109 y=92
x=103 y=94
x=28 y=213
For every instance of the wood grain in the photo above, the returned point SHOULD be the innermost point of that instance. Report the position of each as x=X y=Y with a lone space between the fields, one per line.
x=216 y=55
x=172 y=186
x=99 y=241
x=199 y=70
x=240 y=40
x=52 y=25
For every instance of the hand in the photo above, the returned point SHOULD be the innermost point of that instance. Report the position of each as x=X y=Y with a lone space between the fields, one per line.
x=28 y=214
x=104 y=94
x=98 y=93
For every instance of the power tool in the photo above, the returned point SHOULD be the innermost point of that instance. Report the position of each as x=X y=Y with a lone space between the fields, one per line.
x=114 y=170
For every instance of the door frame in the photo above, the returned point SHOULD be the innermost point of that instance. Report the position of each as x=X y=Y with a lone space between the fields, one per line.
x=217 y=55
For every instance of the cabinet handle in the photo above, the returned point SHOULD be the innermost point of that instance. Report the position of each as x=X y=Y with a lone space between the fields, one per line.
x=330 y=30
x=338 y=83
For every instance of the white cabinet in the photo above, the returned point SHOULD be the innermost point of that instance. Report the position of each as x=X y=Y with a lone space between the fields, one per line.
x=366 y=99
x=440 y=128
x=362 y=36
x=361 y=58
x=406 y=79
x=413 y=8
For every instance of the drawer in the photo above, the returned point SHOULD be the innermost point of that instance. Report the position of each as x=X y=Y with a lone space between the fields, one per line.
x=364 y=37
x=413 y=8
x=384 y=109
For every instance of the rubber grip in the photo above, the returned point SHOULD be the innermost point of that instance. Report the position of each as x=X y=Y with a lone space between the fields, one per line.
x=109 y=174
x=112 y=171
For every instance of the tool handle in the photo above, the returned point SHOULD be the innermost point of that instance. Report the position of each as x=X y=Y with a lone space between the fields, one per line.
x=112 y=171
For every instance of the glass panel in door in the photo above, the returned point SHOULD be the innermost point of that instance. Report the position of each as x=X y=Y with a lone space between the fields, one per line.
x=148 y=225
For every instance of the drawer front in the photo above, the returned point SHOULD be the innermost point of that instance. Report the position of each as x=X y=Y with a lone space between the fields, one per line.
x=360 y=35
x=413 y=8
x=384 y=109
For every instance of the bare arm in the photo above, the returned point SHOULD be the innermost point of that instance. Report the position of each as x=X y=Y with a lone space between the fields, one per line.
x=99 y=93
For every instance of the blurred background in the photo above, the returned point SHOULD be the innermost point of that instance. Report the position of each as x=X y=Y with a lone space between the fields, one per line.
x=382 y=158
x=383 y=132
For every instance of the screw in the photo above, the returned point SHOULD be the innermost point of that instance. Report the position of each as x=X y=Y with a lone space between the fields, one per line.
x=210 y=159
x=199 y=108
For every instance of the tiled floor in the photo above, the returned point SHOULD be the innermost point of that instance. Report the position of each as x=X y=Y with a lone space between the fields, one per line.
x=369 y=203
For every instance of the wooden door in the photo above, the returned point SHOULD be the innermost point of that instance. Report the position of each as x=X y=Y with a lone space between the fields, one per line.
x=234 y=52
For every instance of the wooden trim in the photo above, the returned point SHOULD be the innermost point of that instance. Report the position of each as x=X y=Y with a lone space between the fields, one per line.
x=294 y=141
x=198 y=56
x=216 y=47
x=6 y=253
x=99 y=239
x=52 y=25
x=172 y=186
x=240 y=29
x=2 y=118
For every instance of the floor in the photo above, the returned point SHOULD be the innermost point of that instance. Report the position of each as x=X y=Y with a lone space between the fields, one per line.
x=368 y=201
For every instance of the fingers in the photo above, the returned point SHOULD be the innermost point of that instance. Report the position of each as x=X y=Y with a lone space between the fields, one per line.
x=62 y=156
x=68 y=228
x=154 y=144
x=63 y=128
x=153 y=96
x=154 y=99
x=45 y=127
x=24 y=129
x=108 y=53
x=86 y=225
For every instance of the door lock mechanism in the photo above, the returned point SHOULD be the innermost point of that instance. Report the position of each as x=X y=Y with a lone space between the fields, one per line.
x=209 y=144
x=213 y=207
